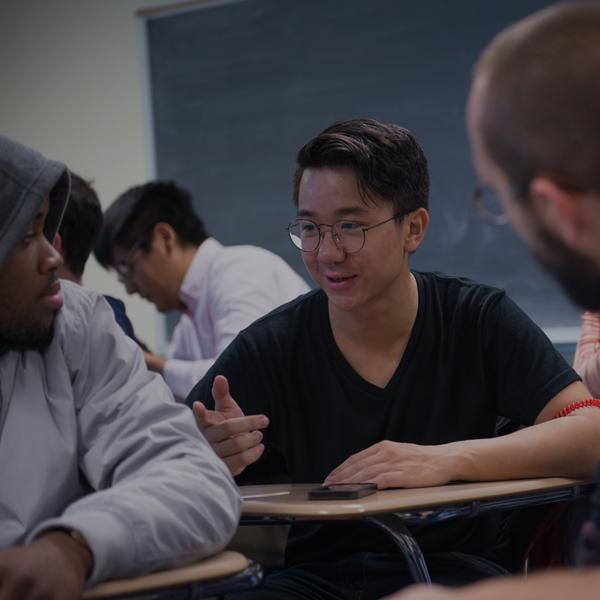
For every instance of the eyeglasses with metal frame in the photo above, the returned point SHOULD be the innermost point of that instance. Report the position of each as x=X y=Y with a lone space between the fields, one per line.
x=349 y=236
x=126 y=267
x=487 y=205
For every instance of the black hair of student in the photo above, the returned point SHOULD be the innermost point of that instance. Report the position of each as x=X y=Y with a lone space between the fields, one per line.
x=133 y=215
x=81 y=224
x=387 y=160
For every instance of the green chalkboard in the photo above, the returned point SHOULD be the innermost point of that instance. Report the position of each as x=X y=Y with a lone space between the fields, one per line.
x=238 y=87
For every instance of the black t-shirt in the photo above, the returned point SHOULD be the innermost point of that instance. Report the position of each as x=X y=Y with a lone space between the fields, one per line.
x=472 y=357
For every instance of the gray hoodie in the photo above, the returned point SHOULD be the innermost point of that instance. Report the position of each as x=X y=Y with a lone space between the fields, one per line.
x=92 y=441
x=26 y=179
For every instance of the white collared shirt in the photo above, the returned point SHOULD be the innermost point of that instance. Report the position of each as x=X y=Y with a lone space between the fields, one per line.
x=225 y=289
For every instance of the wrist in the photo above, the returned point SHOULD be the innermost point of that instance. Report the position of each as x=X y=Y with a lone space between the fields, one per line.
x=459 y=462
x=74 y=547
x=155 y=363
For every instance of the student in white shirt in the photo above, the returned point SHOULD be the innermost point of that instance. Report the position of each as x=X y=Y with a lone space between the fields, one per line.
x=158 y=245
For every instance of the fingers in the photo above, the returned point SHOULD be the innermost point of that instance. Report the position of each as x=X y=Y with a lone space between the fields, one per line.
x=236 y=445
x=348 y=471
x=204 y=417
x=220 y=387
x=234 y=427
x=355 y=464
x=224 y=401
x=233 y=436
x=238 y=462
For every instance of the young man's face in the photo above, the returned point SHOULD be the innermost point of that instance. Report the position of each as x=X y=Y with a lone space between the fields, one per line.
x=577 y=274
x=357 y=280
x=30 y=292
x=148 y=274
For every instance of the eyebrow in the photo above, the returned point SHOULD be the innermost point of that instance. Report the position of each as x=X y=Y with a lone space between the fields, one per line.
x=340 y=212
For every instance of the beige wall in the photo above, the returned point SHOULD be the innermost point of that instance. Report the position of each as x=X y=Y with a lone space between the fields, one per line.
x=72 y=85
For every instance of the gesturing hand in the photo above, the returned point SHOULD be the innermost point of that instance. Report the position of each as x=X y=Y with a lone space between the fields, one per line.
x=394 y=464
x=234 y=437
x=54 y=567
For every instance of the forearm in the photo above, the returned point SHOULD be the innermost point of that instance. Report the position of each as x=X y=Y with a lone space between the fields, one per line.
x=564 y=447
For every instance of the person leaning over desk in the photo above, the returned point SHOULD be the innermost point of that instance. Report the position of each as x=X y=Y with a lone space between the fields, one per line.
x=103 y=474
x=158 y=245
x=534 y=126
x=388 y=375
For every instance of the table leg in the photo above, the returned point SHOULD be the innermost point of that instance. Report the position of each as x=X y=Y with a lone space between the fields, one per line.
x=394 y=526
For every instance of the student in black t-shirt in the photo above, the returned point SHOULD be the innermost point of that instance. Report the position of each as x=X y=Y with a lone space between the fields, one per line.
x=387 y=375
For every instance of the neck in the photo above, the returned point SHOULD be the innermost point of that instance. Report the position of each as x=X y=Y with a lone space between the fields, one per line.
x=184 y=262
x=385 y=320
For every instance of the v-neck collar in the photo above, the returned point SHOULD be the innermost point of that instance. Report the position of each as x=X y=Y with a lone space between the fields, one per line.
x=348 y=370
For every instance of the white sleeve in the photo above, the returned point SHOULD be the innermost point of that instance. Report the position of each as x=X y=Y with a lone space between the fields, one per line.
x=164 y=497
x=182 y=375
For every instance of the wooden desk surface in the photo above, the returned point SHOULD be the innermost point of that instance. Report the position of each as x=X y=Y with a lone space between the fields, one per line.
x=291 y=500
x=220 y=565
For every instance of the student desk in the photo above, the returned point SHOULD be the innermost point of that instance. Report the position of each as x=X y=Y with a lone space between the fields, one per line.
x=220 y=574
x=391 y=510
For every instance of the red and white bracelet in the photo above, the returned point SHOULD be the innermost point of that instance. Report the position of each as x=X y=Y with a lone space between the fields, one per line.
x=575 y=405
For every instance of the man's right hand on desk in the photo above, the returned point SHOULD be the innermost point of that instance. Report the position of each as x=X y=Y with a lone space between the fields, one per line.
x=233 y=436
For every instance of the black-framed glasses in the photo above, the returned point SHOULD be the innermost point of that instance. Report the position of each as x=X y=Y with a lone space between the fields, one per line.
x=487 y=205
x=126 y=266
x=348 y=236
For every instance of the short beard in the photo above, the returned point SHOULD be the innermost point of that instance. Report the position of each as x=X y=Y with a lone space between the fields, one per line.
x=24 y=338
x=578 y=275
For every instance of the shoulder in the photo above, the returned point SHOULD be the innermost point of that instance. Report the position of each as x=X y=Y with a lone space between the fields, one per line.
x=289 y=320
x=249 y=261
x=79 y=305
x=115 y=303
x=247 y=255
x=236 y=268
x=85 y=315
x=458 y=292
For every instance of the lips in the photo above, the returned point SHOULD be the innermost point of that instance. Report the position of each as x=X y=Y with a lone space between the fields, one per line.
x=340 y=283
x=51 y=297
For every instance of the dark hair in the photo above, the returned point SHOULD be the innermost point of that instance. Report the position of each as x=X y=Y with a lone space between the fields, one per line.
x=540 y=95
x=387 y=160
x=81 y=224
x=135 y=212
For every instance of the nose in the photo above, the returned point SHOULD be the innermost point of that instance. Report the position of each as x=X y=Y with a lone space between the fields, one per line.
x=129 y=284
x=50 y=258
x=329 y=250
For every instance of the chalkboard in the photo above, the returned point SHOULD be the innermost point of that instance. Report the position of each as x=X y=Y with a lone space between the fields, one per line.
x=237 y=87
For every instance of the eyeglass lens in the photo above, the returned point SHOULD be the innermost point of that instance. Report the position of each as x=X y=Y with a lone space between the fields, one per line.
x=306 y=235
x=487 y=205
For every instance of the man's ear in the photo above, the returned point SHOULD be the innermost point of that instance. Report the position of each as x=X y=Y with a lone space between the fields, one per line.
x=164 y=235
x=58 y=243
x=558 y=208
x=417 y=224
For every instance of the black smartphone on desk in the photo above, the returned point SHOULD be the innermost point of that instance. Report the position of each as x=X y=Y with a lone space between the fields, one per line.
x=342 y=491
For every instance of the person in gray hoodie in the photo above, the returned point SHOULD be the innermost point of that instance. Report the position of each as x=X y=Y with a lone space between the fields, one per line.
x=103 y=474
